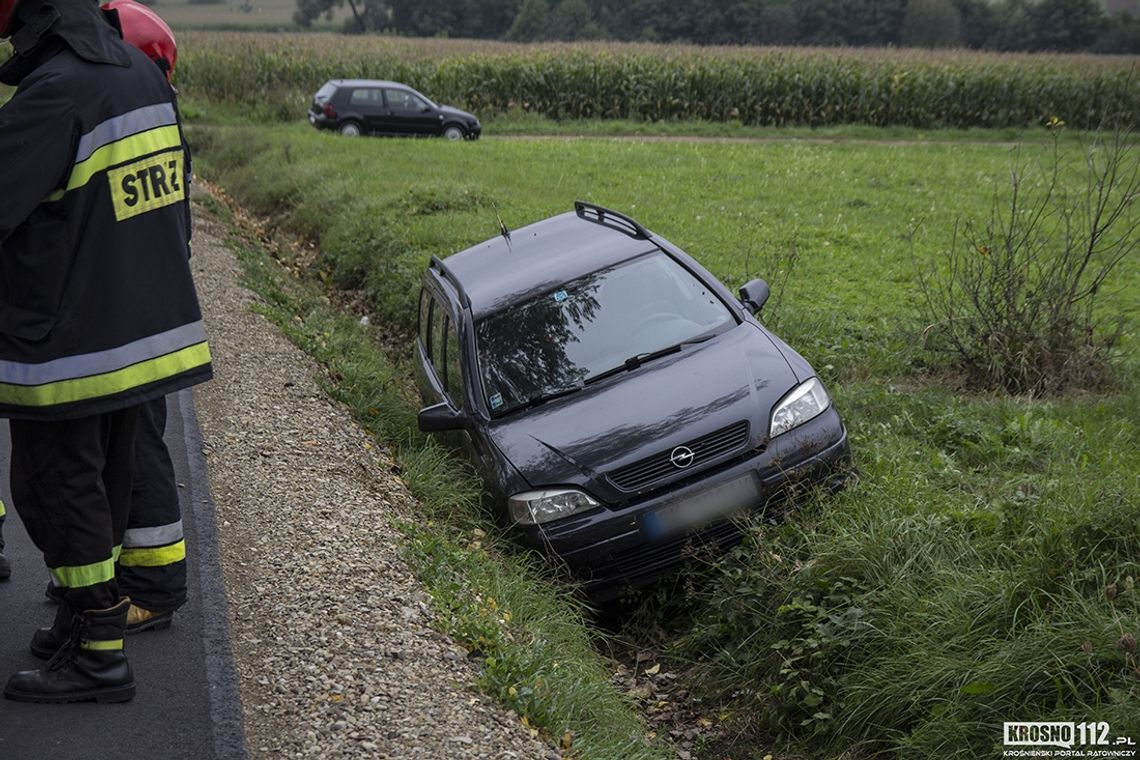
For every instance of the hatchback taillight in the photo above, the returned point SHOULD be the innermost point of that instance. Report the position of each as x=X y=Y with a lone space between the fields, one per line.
x=329 y=111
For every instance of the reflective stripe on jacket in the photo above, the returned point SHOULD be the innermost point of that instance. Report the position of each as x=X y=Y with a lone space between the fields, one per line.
x=97 y=305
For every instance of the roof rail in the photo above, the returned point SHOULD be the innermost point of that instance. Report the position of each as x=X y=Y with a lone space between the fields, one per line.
x=450 y=277
x=600 y=215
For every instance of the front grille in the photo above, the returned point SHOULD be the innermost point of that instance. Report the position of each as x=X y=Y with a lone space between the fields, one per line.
x=655 y=556
x=646 y=472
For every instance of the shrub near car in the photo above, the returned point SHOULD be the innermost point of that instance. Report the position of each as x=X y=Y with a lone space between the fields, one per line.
x=619 y=403
x=368 y=106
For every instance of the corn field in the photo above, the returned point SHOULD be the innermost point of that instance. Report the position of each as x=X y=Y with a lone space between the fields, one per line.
x=276 y=76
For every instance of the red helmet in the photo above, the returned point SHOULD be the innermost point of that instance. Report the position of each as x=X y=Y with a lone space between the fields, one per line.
x=143 y=28
x=6 y=9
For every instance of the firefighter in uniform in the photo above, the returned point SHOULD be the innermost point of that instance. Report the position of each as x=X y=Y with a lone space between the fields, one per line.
x=152 y=564
x=151 y=568
x=98 y=313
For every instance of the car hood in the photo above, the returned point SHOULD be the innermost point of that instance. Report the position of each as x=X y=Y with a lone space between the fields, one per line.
x=669 y=402
x=451 y=111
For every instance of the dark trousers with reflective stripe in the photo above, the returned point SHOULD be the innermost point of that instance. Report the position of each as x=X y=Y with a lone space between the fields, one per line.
x=152 y=565
x=71 y=486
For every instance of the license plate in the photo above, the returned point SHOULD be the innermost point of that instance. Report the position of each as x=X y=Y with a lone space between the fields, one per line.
x=701 y=508
x=312 y=119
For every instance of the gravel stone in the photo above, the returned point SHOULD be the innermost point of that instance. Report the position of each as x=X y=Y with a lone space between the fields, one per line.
x=331 y=630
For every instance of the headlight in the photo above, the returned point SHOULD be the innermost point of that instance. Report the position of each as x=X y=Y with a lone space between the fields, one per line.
x=806 y=401
x=534 y=507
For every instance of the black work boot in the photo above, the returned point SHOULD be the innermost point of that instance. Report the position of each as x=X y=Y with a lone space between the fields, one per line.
x=54 y=593
x=47 y=641
x=90 y=666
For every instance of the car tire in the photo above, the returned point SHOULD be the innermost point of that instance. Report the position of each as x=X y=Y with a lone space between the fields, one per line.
x=454 y=132
x=350 y=129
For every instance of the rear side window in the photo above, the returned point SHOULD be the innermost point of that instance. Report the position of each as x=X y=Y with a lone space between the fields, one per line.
x=366 y=96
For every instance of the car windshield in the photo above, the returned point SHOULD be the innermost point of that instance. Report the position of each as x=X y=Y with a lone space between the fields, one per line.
x=553 y=344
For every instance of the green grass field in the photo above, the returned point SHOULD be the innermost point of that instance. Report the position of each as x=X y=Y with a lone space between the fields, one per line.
x=864 y=218
x=982 y=571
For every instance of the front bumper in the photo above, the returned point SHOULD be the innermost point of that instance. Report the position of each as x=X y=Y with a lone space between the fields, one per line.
x=608 y=550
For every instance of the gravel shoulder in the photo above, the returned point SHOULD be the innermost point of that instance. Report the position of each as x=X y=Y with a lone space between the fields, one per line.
x=331 y=636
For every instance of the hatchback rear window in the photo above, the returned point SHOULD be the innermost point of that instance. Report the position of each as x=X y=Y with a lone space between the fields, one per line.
x=326 y=92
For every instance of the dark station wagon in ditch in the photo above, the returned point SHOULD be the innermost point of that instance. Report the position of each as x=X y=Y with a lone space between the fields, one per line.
x=619 y=402
x=372 y=106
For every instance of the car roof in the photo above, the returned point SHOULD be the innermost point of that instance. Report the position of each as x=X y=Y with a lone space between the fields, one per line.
x=368 y=83
x=498 y=273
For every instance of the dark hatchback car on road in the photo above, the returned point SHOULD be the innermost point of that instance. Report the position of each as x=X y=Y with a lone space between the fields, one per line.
x=371 y=106
x=620 y=404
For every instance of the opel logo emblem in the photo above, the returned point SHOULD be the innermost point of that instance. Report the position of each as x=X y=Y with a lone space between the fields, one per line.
x=682 y=457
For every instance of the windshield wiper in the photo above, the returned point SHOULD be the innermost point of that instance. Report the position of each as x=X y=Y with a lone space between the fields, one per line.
x=637 y=360
x=631 y=363
x=537 y=400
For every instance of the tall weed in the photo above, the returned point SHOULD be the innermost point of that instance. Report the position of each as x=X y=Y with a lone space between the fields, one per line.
x=917 y=613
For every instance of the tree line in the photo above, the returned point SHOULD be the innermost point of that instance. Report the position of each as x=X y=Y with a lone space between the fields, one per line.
x=1000 y=25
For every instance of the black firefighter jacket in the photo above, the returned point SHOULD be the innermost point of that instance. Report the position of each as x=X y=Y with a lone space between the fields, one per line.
x=97 y=305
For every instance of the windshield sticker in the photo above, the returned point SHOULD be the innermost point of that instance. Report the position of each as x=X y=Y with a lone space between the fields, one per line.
x=560 y=296
x=496 y=400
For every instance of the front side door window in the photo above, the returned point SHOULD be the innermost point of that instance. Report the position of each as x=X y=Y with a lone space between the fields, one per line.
x=435 y=346
x=405 y=101
x=454 y=373
x=424 y=321
x=411 y=112
x=443 y=348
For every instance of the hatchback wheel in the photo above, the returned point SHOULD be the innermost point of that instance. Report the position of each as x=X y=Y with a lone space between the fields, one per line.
x=454 y=132
x=350 y=128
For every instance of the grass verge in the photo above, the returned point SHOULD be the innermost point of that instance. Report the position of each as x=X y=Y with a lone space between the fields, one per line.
x=538 y=656
x=852 y=222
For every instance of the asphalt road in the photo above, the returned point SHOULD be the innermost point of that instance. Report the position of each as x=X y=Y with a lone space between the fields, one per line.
x=186 y=704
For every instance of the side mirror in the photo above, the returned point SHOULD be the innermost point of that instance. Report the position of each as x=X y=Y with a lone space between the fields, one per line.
x=754 y=294
x=440 y=417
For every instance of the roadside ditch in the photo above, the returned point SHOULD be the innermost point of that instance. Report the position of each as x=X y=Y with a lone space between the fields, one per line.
x=591 y=684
